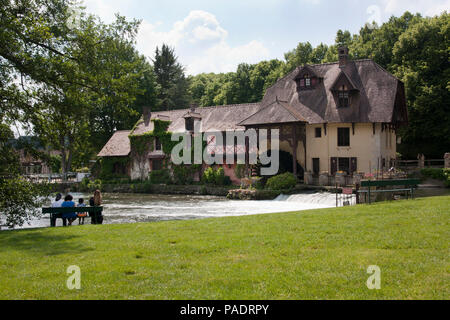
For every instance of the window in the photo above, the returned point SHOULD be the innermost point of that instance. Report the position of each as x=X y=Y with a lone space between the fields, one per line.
x=307 y=80
x=156 y=164
x=344 y=165
x=316 y=165
x=343 y=137
x=189 y=122
x=318 y=132
x=343 y=97
x=157 y=144
x=347 y=165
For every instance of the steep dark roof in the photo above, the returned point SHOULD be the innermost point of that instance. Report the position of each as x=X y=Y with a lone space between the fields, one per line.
x=374 y=102
x=275 y=112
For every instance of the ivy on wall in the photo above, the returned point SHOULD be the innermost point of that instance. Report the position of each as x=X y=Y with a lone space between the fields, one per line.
x=141 y=144
x=107 y=167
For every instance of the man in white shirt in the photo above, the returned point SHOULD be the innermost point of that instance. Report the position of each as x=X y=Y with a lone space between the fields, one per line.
x=56 y=204
x=58 y=201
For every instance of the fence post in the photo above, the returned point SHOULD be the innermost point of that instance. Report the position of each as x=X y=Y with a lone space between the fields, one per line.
x=447 y=160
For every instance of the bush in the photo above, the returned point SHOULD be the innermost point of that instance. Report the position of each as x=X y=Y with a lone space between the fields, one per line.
x=433 y=173
x=439 y=174
x=209 y=176
x=447 y=177
x=94 y=185
x=219 y=177
x=282 y=182
x=183 y=175
x=160 y=176
x=216 y=177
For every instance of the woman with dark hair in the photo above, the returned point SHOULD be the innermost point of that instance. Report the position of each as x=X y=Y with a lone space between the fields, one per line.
x=96 y=201
x=71 y=216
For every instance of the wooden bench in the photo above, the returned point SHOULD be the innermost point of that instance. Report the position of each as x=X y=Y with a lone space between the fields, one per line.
x=408 y=186
x=95 y=213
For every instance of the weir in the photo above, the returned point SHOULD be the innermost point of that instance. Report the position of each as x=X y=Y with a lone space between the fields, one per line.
x=326 y=199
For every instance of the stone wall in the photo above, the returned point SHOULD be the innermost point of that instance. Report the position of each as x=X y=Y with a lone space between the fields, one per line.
x=447 y=160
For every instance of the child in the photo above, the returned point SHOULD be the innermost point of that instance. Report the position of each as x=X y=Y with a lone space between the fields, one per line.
x=81 y=215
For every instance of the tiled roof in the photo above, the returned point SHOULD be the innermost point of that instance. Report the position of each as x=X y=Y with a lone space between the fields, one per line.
x=218 y=118
x=117 y=146
x=375 y=101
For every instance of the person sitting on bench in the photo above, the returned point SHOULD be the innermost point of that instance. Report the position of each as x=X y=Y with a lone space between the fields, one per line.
x=81 y=215
x=71 y=216
x=58 y=201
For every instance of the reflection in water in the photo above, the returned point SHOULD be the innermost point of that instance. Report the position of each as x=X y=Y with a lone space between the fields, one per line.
x=127 y=208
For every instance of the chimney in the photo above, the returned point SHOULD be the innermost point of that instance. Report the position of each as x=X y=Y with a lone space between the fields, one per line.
x=147 y=113
x=193 y=107
x=343 y=56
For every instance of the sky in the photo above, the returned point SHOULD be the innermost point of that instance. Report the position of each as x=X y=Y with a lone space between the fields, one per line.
x=217 y=35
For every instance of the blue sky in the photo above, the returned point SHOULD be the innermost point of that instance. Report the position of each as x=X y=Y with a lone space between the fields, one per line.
x=217 y=35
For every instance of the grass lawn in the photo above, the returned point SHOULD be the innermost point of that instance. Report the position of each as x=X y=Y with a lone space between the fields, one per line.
x=317 y=254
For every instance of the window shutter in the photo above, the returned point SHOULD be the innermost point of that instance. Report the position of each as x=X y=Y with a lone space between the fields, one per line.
x=333 y=166
x=353 y=165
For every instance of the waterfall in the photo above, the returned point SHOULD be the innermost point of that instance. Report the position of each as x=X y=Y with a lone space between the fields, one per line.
x=319 y=198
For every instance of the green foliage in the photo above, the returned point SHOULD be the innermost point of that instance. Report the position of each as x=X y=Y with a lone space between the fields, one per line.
x=90 y=185
x=95 y=185
x=438 y=174
x=447 y=177
x=55 y=163
x=169 y=74
x=209 y=176
x=434 y=173
x=216 y=177
x=107 y=167
x=20 y=200
x=239 y=171
x=184 y=174
x=219 y=177
x=421 y=60
x=160 y=176
x=282 y=181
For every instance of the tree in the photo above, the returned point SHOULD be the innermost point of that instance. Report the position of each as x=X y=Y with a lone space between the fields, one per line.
x=66 y=73
x=420 y=58
x=172 y=83
x=20 y=199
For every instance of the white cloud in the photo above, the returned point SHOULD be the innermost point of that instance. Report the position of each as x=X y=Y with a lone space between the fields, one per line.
x=201 y=44
x=199 y=40
x=425 y=7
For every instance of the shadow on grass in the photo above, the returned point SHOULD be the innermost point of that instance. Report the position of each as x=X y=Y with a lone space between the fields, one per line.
x=36 y=242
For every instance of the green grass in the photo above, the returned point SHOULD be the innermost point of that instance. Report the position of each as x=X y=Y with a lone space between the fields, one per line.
x=317 y=254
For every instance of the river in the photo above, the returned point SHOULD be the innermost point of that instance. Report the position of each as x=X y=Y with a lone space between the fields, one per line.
x=129 y=208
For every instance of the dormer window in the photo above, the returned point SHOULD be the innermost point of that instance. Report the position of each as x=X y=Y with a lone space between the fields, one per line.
x=343 y=97
x=306 y=79
x=306 y=82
